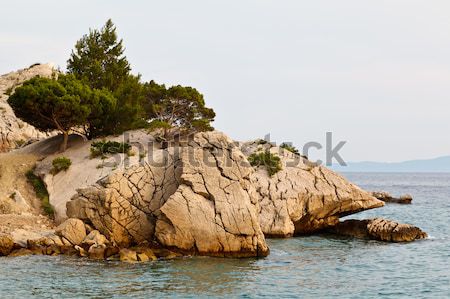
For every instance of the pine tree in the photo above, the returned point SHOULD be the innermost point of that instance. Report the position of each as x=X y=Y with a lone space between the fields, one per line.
x=178 y=108
x=50 y=104
x=98 y=59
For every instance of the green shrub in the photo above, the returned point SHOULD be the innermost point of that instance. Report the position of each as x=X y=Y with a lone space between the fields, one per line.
x=60 y=164
x=41 y=192
x=102 y=148
x=290 y=147
x=271 y=162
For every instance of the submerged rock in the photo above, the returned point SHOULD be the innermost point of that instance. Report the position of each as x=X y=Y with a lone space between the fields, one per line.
x=388 y=198
x=379 y=229
x=303 y=197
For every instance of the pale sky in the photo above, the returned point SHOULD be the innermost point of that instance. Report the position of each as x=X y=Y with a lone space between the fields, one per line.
x=375 y=73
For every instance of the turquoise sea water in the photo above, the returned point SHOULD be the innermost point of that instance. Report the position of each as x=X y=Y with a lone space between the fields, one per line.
x=307 y=267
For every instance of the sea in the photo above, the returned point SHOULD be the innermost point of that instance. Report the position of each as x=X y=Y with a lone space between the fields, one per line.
x=319 y=266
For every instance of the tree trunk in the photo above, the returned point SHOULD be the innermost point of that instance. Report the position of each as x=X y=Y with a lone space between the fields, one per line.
x=65 y=140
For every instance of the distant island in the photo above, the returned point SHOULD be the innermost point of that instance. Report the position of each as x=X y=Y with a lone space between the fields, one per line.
x=440 y=164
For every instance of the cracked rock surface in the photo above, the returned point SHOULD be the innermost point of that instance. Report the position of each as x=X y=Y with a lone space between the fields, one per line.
x=213 y=211
x=303 y=197
x=13 y=131
x=197 y=198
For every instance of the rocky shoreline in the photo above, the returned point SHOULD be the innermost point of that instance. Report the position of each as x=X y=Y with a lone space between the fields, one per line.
x=198 y=196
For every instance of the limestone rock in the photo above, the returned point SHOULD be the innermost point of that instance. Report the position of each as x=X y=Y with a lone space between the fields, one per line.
x=20 y=201
x=72 y=230
x=303 y=197
x=97 y=252
x=13 y=131
x=386 y=230
x=213 y=210
x=6 y=244
x=14 y=204
x=111 y=251
x=165 y=254
x=46 y=241
x=197 y=198
x=388 y=198
x=81 y=251
x=21 y=252
x=22 y=237
x=84 y=171
x=95 y=238
x=127 y=255
x=379 y=229
x=143 y=257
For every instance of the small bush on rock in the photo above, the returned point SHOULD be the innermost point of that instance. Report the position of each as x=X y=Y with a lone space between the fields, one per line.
x=290 y=147
x=102 y=148
x=41 y=192
x=271 y=162
x=60 y=164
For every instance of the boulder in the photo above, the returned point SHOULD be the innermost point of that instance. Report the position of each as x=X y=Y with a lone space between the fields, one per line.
x=95 y=238
x=81 y=251
x=111 y=251
x=97 y=252
x=24 y=237
x=73 y=230
x=214 y=210
x=13 y=131
x=143 y=257
x=197 y=198
x=379 y=229
x=127 y=255
x=6 y=244
x=14 y=204
x=20 y=201
x=303 y=197
x=388 y=198
x=21 y=252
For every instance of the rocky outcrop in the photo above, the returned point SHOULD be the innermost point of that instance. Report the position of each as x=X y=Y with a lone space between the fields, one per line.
x=72 y=230
x=388 y=198
x=303 y=197
x=124 y=206
x=84 y=171
x=197 y=199
x=6 y=244
x=214 y=210
x=379 y=229
x=13 y=131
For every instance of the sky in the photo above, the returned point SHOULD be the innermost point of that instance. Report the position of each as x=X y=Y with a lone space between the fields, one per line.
x=374 y=73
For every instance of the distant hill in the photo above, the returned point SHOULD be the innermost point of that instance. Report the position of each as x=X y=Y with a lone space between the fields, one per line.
x=441 y=164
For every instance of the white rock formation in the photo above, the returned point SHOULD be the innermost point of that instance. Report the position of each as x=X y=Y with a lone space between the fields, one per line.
x=197 y=199
x=84 y=171
x=303 y=198
x=13 y=131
